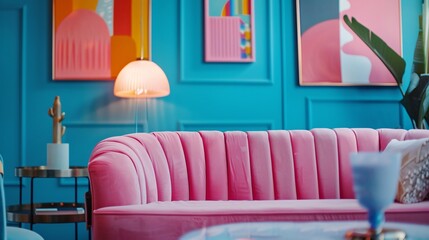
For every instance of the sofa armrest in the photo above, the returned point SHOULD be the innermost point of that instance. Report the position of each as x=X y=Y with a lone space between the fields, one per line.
x=114 y=182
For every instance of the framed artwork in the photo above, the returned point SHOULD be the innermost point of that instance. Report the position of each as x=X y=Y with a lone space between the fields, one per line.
x=329 y=53
x=94 y=39
x=229 y=31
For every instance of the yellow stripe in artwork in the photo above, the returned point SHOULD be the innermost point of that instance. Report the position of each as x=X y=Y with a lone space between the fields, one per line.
x=245 y=4
x=85 y=4
x=146 y=29
x=136 y=26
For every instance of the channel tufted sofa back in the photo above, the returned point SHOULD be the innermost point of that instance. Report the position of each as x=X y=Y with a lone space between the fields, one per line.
x=214 y=165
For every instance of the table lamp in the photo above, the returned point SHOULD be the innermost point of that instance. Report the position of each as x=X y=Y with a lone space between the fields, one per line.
x=141 y=79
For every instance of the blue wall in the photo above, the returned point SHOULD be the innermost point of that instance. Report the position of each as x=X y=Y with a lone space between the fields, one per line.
x=260 y=95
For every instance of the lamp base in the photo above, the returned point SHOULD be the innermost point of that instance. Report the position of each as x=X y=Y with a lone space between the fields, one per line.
x=369 y=234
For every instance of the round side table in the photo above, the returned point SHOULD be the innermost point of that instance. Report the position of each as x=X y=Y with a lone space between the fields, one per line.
x=26 y=213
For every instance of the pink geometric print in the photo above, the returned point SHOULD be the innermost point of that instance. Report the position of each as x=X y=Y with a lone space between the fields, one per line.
x=82 y=47
x=223 y=38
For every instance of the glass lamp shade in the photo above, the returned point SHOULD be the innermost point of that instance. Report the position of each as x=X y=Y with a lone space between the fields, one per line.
x=141 y=79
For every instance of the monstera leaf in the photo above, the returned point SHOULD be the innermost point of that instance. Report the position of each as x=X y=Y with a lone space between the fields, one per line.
x=416 y=99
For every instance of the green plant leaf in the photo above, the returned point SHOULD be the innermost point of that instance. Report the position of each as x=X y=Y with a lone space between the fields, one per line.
x=424 y=105
x=414 y=82
x=393 y=61
x=416 y=99
x=424 y=109
x=425 y=102
x=419 y=56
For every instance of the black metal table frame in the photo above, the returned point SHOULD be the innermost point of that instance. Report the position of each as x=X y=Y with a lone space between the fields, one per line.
x=42 y=172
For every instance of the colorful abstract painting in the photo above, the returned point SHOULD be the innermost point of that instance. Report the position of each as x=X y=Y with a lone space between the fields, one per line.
x=229 y=31
x=331 y=54
x=95 y=39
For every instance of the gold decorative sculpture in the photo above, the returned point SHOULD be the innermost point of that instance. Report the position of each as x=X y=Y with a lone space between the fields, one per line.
x=57 y=118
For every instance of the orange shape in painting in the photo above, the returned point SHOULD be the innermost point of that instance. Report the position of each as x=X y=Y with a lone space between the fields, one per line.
x=85 y=4
x=62 y=8
x=123 y=50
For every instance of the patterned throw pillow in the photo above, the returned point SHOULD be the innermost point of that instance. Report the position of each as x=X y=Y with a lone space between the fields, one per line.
x=413 y=183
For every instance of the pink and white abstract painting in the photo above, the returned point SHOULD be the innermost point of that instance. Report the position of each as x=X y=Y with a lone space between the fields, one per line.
x=331 y=54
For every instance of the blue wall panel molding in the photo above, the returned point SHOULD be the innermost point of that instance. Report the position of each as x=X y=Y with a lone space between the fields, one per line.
x=332 y=113
x=130 y=126
x=224 y=125
x=13 y=103
x=83 y=136
x=193 y=69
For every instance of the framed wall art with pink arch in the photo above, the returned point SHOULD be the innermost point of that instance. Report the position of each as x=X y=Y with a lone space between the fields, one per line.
x=95 y=39
x=229 y=31
x=330 y=53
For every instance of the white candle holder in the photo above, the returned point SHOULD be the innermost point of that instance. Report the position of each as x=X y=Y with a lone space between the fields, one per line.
x=58 y=156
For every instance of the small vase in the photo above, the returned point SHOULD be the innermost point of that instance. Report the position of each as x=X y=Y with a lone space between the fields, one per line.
x=58 y=156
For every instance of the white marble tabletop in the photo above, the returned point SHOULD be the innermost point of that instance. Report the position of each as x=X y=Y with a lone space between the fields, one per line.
x=296 y=230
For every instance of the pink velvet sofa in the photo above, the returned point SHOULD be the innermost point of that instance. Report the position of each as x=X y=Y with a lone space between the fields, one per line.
x=161 y=185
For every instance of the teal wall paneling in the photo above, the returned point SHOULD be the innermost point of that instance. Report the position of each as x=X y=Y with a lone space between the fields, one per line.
x=224 y=126
x=13 y=100
x=261 y=95
x=352 y=111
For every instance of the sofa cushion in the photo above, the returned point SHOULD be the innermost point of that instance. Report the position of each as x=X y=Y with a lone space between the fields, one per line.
x=413 y=183
x=169 y=220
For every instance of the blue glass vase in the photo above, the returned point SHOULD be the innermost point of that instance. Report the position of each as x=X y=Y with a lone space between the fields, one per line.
x=375 y=180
